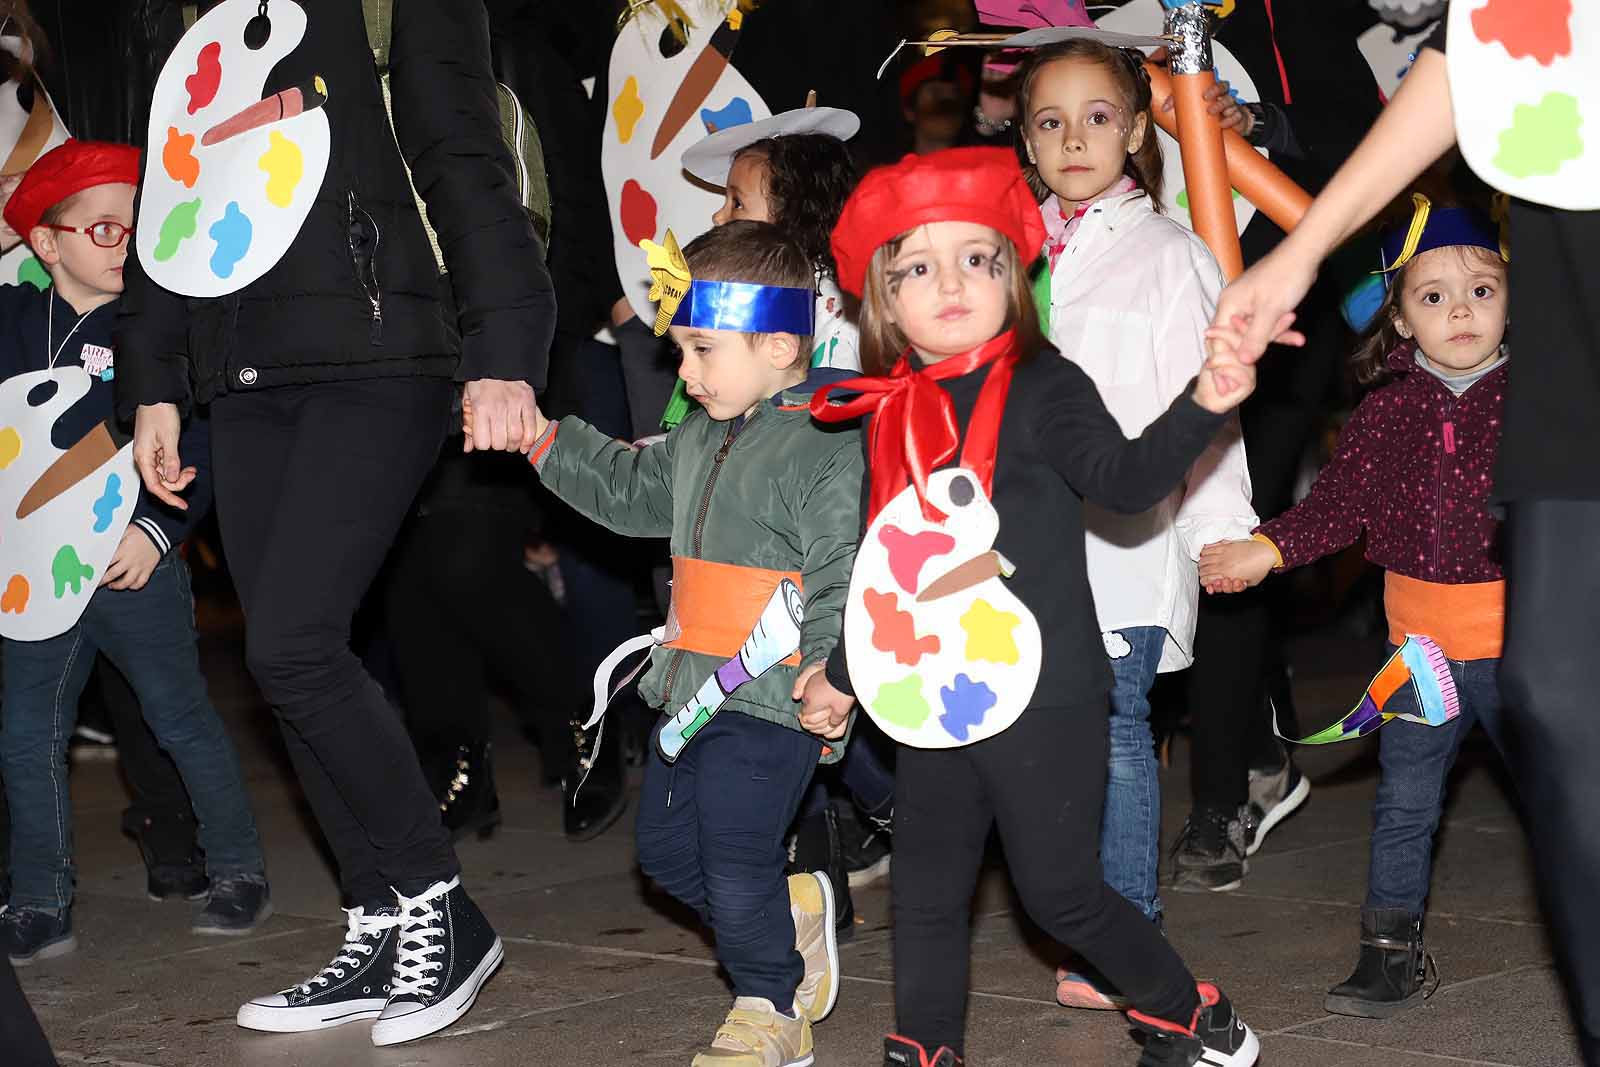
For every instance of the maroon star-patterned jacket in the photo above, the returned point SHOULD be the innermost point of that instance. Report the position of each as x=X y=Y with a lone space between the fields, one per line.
x=1413 y=470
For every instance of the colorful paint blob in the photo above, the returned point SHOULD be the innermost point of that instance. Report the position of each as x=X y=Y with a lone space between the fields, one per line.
x=67 y=569
x=908 y=552
x=902 y=702
x=232 y=233
x=285 y=165
x=14 y=601
x=737 y=113
x=105 y=508
x=627 y=109
x=638 y=211
x=1542 y=137
x=32 y=272
x=1538 y=28
x=207 y=77
x=179 y=225
x=178 y=159
x=10 y=446
x=965 y=702
x=894 y=631
x=989 y=633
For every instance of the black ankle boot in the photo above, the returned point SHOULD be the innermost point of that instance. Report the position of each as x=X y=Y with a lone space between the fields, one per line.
x=468 y=802
x=174 y=866
x=1391 y=974
x=589 y=811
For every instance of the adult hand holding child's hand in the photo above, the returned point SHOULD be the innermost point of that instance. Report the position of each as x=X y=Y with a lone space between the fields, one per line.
x=824 y=710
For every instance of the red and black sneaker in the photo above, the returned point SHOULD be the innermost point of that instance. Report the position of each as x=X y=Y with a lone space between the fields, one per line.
x=1215 y=1037
x=903 y=1052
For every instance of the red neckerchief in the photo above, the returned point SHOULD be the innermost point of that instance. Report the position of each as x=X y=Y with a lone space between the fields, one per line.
x=914 y=429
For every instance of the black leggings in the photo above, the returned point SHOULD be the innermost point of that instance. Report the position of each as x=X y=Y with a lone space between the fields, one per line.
x=312 y=483
x=1044 y=782
x=462 y=609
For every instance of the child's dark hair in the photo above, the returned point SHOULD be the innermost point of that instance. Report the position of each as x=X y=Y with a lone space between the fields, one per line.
x=809 y=177
x=1381 y=338
x=755 y=252
x=1127 y=67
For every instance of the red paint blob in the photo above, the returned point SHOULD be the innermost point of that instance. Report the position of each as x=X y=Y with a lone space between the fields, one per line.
x=908 y=552
x=894 y=631
x=206 y=79
x=638 y=212
x=1538 y=28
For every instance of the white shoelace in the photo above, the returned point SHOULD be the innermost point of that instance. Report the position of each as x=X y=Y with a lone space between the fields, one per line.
x=359 y=929
x=421 y=938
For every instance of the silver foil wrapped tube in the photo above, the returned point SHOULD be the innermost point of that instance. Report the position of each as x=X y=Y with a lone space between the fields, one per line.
x=1190 y=29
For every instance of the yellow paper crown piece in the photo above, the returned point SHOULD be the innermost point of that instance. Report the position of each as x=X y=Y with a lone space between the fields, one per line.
x=669 y=278
x=1421 y=206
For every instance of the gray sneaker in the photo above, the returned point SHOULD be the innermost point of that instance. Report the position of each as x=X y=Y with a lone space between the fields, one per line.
x=1274 y=796
x=236 y=905
x=1209 y=854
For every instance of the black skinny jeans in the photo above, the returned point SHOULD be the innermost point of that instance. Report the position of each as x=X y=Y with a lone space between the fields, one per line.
x=312 y=483
x=463 y=609
x=1044 y=782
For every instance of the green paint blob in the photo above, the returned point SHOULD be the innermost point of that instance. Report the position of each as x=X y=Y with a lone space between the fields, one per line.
x=1542 y=137
x=902 y=703
x=1183 y=198
x=32 y=273
x=179 y=225
x=67 y=569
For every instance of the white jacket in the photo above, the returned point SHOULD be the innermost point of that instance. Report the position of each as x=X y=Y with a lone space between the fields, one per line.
x=1130 y=298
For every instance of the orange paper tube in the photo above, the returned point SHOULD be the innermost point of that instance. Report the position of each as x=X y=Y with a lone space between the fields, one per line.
x=1256 y=178
x=1205 y=172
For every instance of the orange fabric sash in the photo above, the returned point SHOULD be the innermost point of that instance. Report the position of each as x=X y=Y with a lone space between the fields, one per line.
x=1467 y=621
x=716 y=605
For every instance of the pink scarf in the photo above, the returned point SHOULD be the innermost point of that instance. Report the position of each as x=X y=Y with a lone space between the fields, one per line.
x=1059 y=227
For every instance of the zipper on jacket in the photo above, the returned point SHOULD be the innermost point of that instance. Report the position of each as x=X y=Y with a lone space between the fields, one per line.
x=364 y=237
x=1438 y=503
x=696 y=536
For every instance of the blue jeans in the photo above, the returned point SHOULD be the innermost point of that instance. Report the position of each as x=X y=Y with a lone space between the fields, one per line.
x=149 y=635
x=1130 y=827
x=1415 y=760
x=710 y=833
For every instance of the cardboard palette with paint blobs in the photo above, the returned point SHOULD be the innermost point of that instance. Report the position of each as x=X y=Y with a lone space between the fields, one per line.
x=1526 y=97
x=664 y=95
x=941 y=652
x=62 y=513
x=29 y=127
x=229 y=177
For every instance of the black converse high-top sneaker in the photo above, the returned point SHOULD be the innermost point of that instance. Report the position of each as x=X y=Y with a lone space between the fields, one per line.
x=444 y=951
x=354 y=986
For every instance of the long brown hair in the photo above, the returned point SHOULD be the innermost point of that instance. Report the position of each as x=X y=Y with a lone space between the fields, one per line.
x=1127 y=69
x=883 y=342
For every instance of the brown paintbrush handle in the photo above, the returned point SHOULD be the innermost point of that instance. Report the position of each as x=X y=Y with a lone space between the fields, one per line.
x=978 y=569
x=70 y=468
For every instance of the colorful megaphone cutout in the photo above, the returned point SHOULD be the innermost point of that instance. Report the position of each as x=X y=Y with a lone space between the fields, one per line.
x=1418 y=661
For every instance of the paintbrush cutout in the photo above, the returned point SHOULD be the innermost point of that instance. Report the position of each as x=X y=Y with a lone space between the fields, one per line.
x=698 y=83
x=307 y=96
x=98 y=446
x=963 y=576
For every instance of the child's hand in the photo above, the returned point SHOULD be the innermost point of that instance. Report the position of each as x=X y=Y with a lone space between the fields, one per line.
x=824 y=710
x=1224 y=381
x=133 y=563
x=1234 y=566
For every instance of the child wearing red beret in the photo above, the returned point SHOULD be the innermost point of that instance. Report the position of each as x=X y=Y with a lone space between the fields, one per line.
x=74 y=207
x=937 y=247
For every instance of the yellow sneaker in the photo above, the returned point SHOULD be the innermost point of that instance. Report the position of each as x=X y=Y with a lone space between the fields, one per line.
x=811 y=904
x=755 y=1035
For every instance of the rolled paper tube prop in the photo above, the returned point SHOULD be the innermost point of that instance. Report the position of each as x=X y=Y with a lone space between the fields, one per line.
x=1272 y=192
x=775 y=638
x=96 y=448
x=1205 y=165
x=1419 y=662
x=698 y=82
x=307 y=96
x=978 y=569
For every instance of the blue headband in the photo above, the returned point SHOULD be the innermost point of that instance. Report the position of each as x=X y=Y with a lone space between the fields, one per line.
x=746 y=307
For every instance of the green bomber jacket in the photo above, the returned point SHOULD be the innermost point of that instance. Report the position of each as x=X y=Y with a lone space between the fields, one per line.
x=775 y=490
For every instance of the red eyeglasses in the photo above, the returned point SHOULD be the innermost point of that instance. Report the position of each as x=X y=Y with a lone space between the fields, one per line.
x=104 y=234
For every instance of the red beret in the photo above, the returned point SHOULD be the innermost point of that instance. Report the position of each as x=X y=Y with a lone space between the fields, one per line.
x=66 y=169
x=982 y=185
x=945 y=67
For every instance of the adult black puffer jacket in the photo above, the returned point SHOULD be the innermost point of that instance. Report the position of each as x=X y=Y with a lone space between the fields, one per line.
x=309 y=318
